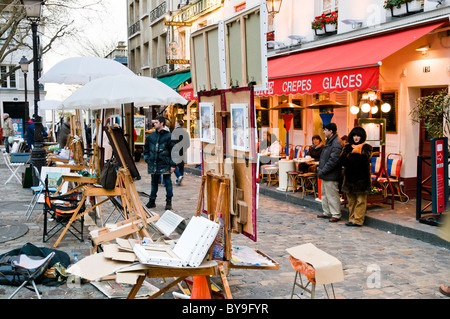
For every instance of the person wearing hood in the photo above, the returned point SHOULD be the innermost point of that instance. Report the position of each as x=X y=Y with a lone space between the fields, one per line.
x=355 y=159
x=157 y=155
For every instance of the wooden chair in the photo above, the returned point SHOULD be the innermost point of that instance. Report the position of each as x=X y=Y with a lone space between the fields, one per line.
x=307 y=183
x=393 y=167
x=292 y=180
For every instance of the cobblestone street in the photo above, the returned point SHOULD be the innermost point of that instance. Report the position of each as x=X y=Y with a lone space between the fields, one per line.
x=377 y=264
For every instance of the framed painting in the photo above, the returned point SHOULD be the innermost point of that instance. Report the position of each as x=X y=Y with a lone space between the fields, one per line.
x=239 y=127
x=207 y=122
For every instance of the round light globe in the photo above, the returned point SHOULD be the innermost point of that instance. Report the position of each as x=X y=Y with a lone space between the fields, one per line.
x=365 y=107
x=385 y=107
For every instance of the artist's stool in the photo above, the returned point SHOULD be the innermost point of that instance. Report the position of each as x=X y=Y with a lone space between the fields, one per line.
x=317 y=266
x=303 y=268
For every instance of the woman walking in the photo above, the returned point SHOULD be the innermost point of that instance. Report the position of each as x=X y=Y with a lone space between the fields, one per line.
x=355 y=159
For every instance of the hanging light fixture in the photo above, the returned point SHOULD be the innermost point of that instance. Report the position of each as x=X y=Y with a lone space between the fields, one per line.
x=354 y=109
x=385 y=107
x=374 y=109
x=365 y=107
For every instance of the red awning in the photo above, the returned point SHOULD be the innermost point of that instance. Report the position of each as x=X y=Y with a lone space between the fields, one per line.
x=345 y=67
x=187 y=92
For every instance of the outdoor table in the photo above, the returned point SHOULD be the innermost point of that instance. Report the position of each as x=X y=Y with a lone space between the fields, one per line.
x=285 y=166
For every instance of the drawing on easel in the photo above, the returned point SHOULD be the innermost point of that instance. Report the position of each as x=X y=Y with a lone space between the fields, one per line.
x=207 y=122
x=239 y=127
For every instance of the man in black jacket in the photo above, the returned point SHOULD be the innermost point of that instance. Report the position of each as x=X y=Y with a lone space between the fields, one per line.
x=330 y=172
x=157 y=155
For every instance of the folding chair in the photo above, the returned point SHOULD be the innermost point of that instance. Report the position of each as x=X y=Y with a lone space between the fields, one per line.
x=31 y=268
x=13 y=167
x=61 y=214
x=37 y=190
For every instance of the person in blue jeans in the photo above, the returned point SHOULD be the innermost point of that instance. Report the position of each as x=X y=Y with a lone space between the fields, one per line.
x=157 y=155
x=182 y=142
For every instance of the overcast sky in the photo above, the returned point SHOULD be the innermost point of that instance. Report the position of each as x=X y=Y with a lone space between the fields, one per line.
x=103 y=26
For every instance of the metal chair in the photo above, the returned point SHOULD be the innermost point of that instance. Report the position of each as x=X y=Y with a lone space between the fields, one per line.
x=37 y=191
x=13 y=167
x=31 y=268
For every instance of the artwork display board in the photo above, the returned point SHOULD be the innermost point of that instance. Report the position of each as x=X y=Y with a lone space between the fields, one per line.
x=234 y=106
x=232 y=52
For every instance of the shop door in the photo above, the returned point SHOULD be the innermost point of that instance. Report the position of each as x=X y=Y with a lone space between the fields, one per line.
x=425 y=145
x=16 y=110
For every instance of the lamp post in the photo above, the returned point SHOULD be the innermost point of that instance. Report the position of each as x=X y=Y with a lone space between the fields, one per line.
x=273 y=7
x=24 y=64
x=33 y=10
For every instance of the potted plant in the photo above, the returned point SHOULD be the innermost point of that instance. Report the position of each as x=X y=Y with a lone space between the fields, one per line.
x=318 y=25
x=331 y=22
x=414 y=6
x=376 y=193
x=434 y=112
x=396 y=7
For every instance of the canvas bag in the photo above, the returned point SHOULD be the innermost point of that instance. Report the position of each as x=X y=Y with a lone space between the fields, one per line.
x=108 y=175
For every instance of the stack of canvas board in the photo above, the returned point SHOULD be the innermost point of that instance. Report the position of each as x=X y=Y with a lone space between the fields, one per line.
x=168 y=222
x=190 y=250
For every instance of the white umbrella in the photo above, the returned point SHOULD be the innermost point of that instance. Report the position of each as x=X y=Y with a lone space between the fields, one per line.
x=112 y=91
x=50 y=105
x=81 y=70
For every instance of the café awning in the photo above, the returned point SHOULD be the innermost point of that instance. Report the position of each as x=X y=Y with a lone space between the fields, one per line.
x=175 y=80
x=344 y=67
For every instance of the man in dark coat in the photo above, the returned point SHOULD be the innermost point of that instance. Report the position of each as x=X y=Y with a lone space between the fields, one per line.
x=64 y=133
x=330 y=172
x=179 y=153
x=157 y=155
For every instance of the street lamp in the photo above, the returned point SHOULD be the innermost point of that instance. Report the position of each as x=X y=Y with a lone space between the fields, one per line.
x=24 y=64
x=273 y=6
x=33 y=10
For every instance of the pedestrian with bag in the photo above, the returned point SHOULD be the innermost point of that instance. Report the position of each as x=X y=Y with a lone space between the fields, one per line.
x=179 y=152
x=329 y=172
x=355 y=158
x=8 y=131
x=157 y=155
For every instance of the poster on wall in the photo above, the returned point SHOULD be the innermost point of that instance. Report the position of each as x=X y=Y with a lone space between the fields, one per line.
x=18 y=127
x=239 y=127
x=207 y=122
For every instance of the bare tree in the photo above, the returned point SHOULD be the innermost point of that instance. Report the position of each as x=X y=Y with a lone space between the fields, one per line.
x=56 y=24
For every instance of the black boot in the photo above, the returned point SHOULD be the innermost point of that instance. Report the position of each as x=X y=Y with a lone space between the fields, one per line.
x=151 y=203
x=168 y=203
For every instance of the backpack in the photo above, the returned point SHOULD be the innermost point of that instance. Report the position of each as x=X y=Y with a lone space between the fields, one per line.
x=108 y=175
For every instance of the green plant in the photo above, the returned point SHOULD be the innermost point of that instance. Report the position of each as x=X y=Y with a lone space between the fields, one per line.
x=320 y=21
x=394 y=3
x=434 y=112
x=375 y=190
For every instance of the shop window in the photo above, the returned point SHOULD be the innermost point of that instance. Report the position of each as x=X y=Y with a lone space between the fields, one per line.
x=391 y=116
x=298 y=115
x=263 y=115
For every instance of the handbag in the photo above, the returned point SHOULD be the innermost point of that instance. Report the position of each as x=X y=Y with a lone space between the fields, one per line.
x=108 y=176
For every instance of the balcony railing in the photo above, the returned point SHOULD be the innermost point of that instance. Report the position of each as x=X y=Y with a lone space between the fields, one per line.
x=160 y=70
x=134 y=28
x=158 y=12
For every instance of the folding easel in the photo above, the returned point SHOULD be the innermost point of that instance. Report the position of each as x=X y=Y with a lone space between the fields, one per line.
x=207 y=268
x=137 y=218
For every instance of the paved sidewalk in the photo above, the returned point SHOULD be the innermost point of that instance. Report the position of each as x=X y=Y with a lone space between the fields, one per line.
x=378 y=264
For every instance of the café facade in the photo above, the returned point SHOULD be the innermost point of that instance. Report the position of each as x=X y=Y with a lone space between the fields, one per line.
x=388 y=65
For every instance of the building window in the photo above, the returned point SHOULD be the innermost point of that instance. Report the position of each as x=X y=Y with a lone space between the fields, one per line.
x=329 y=6
x=10 y=81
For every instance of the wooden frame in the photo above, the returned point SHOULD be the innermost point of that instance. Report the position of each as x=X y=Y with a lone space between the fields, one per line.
x=207 y=122
x=232 y=52
x=239 y=127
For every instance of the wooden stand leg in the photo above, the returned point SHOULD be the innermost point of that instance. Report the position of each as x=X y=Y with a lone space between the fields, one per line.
x=226 y=287
x=134 y=290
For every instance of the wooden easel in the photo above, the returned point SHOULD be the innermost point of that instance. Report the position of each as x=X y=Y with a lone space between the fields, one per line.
x=136 y=217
